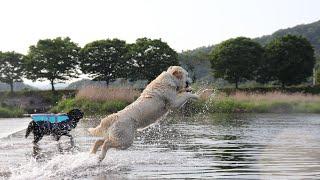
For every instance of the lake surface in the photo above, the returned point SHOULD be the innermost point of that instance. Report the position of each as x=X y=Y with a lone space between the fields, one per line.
x=248 y=146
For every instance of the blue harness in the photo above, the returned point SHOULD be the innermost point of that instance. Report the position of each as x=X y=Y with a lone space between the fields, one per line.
x=52 y=118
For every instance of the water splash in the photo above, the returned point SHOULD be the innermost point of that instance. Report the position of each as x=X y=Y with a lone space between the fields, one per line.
x=209 y=101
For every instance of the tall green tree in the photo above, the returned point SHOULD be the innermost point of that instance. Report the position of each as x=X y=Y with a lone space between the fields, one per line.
x=288 y=60
x=52 y=59
x=150 y=57
x=105 y=60
x=236 y=60
x=11 y=70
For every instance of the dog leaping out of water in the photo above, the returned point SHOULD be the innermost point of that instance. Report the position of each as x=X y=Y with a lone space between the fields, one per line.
x=170 y=90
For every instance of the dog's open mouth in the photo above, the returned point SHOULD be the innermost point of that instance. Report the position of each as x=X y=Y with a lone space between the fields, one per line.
x=188 y=88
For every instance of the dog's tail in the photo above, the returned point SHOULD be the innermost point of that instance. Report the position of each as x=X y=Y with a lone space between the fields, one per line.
x=97 y=131
x=30 y=128
x=101 y=130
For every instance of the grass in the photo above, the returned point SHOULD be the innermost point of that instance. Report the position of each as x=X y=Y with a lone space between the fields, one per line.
x=98 y=100
x=94 y=93
x=6 y=112
x=271 y=102
x=89 y=107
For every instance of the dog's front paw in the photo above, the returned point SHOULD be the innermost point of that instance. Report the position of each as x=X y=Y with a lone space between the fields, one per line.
x=205 y=94
x=100 y=159
x=194 y=96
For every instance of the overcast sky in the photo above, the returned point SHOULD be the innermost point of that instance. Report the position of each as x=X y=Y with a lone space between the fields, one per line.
x=183 y=24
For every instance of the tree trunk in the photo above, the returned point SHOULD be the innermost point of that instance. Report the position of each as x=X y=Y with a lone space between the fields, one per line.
x=236 y=84
x=52 y=85
x=107 y=82
x=11 y=87
x=282 y=85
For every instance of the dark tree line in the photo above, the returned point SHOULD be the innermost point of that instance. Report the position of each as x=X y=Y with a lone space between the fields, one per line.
x=287 y=60
x=60 y=59
x=11 y=70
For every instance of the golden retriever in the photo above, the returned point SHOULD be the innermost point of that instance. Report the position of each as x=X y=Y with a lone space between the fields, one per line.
x=169 y=90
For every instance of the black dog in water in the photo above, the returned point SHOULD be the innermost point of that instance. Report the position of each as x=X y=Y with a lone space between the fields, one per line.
x=57 y=129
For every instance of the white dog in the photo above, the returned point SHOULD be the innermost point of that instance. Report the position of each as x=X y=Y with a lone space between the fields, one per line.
x=168 y=91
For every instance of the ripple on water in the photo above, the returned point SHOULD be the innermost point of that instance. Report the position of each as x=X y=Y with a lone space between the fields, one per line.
x=248 y=146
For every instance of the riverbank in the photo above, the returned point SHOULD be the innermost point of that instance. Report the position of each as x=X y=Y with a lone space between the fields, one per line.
x=11 y=112
x=270 y=102
x=98 y=100
x=220 y=102
x=102 y=101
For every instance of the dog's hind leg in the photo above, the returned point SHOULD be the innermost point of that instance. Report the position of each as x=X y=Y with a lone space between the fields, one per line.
x=37 y=138
x=57 y=137
x=71 y=139
x=106 y=145
x=96 y=146
x=30 y=128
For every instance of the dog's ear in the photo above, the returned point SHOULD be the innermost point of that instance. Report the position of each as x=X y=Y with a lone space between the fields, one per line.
x=177 y=73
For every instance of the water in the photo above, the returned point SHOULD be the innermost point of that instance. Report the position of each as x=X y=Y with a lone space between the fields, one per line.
x=7 y=127
x=249 y=146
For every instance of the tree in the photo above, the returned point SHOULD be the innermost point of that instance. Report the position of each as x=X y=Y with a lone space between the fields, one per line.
x=52 y=59
x=288 y=60
x=11 y=68
x=150 y=57
x=236 y=60
x=105 y=60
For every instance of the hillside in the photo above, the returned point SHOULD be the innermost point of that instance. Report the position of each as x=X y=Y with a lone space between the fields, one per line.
x=16 y=87
x=118 y=82
x=80 y=84
x=310 y=31
x=197 y=60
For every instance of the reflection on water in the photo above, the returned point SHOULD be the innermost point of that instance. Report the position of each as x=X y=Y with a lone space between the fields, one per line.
x=260 y=146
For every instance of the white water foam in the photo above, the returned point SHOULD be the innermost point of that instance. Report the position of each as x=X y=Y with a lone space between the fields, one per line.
x=83 y=165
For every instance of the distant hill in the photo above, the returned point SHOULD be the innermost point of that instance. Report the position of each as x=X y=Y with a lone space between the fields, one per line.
x=83 y=83
x=119 y=82
x=197 y=62
x=310 y=31
x=199 y=57
x=16 y=87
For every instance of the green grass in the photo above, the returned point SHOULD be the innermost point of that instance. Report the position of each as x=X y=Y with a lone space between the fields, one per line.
x=89 y=107
x=46 y=95
x=6 y=112
x=229 y=105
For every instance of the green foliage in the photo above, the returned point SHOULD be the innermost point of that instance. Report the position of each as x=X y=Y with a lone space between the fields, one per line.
x=11 y=68
x=289 y=60
x=317 y=77
x=230 y=105
x=90 y=107
x=105 y=60
x=292 y=89
x=236 y=60
x=52 y=59
x=6 y=112
x=149 y=58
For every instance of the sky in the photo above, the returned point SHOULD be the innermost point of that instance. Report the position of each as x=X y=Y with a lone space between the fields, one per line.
x=183 y=24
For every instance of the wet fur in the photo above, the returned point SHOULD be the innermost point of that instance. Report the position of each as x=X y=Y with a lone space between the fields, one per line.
x=168 y=91
x=60 y=129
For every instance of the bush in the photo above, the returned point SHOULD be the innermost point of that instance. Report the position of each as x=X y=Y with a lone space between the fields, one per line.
x=10 y=112
x=89 y=107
